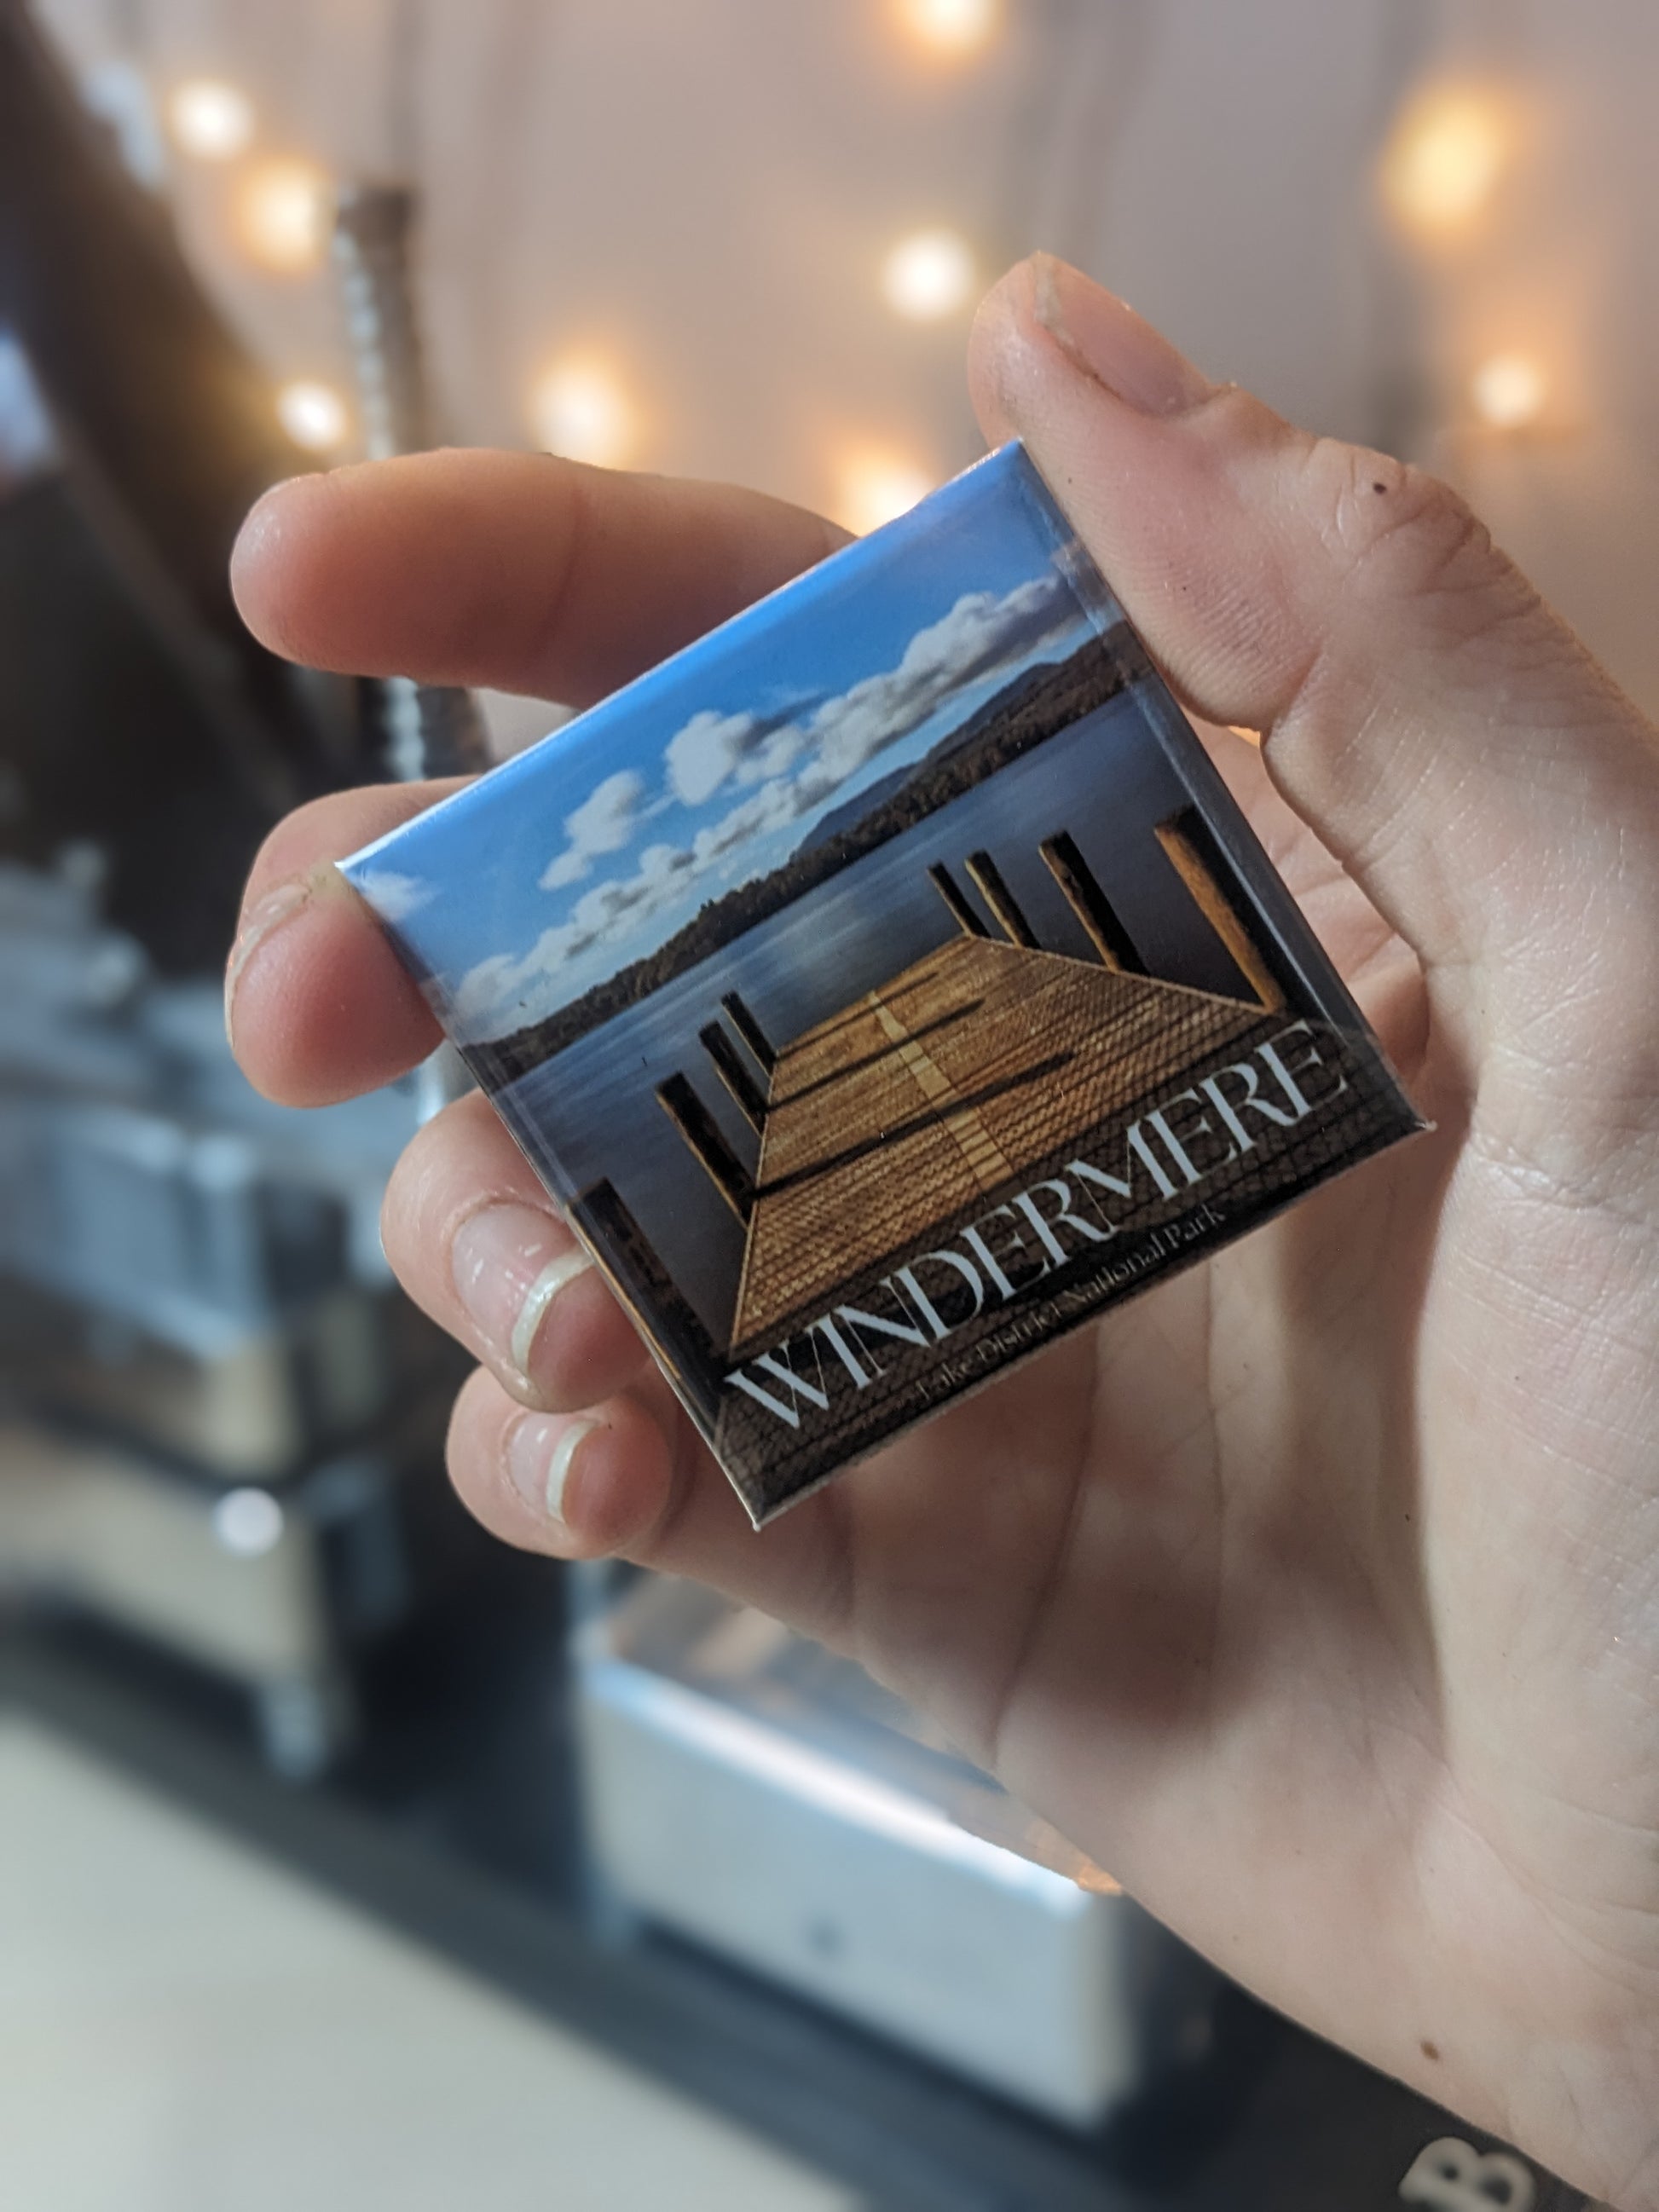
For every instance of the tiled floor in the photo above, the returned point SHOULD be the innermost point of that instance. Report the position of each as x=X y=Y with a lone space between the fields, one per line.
x=183 y=2028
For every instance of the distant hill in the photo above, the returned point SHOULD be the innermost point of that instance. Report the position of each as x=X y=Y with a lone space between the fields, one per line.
x=1041 y=703
x=1050 y=680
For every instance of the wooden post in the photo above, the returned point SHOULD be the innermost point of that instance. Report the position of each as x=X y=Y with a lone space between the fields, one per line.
x=750 y=1031
x=1095 y=914
x=961 y=913
x=710 y=1150
x=987 y=878
x=728 y=1065
x=642 y=1283
x=1202 y=868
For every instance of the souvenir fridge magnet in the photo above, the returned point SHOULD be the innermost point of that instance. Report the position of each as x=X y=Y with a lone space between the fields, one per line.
x=886 y=984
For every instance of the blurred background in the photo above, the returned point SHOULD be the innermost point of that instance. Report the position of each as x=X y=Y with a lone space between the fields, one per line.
x=343 y=1855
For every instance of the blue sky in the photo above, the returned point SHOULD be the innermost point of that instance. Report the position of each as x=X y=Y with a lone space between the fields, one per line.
x=593 y=848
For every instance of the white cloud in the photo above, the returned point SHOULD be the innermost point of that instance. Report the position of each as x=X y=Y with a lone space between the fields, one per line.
x=603 y=822
x=700 y=756
x=778 y=750
x=394 y=897
x=980 y=634
x=774 y=806
x=788 y=767
x=715 y=748
x=502 y=993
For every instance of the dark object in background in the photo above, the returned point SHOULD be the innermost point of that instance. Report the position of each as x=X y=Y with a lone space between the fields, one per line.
x=430 y=729
x=220 y=1424
x=135 y=433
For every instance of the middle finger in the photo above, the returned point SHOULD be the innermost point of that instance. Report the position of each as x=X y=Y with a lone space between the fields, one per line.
x=481 y=1247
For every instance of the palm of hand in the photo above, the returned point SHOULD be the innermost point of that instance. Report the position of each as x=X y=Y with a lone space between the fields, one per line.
x=1314 y=1592
x=1296 y=1581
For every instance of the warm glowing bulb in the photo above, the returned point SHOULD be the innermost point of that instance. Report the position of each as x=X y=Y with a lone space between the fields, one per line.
x=211 y=121
x=1508 y=391
x=580 y=409
x=874 y=485
x=929 y=276
x=1444 y=160
x=951 y=27
x=313 y=415
x=281 y=215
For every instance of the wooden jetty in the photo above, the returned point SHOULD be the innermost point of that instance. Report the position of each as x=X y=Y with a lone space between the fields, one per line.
x=954 y=1079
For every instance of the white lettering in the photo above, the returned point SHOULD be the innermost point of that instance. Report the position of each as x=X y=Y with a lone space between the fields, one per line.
x=1452 y=2176
x=1287 y=1082
x=862 y=1324
x=1087 y=1172
x=1065 y=1218
x=837 y=1343
x=925 y=1306
x=1173 y=1144
x=987 y=1259
x=780 y=1371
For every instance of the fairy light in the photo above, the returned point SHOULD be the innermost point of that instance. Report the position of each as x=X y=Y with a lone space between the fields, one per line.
x=210 y=120
x=874 y=483
x=580 y=409
x=313 y=415
x=1508 y=391
x=1445 y=160
x=954 y=29
x=929 y=276
x=281 y=216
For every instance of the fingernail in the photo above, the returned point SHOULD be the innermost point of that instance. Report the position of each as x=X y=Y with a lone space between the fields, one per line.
x=509 y=1263
x=1110 y=342
x=541 y=1451
x=257 y=924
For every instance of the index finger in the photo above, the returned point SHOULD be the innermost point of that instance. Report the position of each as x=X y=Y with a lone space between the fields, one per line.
x=515 y=570
x=510 y=569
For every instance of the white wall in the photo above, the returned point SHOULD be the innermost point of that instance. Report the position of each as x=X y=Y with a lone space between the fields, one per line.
x=705 y=192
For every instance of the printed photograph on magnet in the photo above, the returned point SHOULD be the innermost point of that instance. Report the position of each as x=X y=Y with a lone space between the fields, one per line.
x=886 y=983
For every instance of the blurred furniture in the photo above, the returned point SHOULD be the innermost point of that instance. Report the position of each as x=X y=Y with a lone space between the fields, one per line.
x=747 y=1789
x=221 y=1424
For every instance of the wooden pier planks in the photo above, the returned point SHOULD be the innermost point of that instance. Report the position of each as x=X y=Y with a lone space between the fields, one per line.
x=950 y=1081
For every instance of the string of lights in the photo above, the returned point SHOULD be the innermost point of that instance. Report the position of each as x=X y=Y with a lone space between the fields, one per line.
x=927 y=277
x=1451 y=153
x=1452 y=165
x=581 y=402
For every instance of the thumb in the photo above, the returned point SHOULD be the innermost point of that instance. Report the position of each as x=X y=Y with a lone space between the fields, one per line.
x=1440 y=730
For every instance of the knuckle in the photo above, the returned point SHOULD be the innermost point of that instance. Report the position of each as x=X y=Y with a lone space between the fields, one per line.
x=1398 y=532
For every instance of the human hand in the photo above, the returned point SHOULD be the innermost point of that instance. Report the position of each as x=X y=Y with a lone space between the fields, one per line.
x=1316 y=1593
